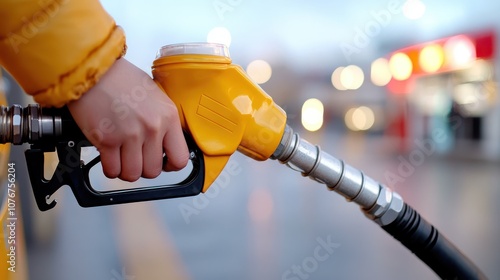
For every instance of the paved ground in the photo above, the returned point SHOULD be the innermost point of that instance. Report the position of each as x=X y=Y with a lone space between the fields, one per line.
x=264 y=221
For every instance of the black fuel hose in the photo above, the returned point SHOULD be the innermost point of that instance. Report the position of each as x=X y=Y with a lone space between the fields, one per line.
x=424 y=240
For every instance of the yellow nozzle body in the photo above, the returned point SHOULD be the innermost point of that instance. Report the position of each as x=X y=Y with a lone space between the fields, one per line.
x=221 y=107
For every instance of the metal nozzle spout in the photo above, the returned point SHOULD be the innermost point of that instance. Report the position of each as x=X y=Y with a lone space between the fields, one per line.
x=375 y=199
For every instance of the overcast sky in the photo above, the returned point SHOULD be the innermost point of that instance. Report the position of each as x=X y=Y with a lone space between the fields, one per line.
x=307 y=34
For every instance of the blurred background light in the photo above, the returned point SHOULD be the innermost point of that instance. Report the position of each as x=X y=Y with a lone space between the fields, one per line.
x=260 y=71
x=312 y=114
x=380 y=72
x=413 y=9
x=400 y=66
x=432 y=101
x=352 y=77
x=336 y=78
x=359 y=118
x=219 y=35
x=472 y=99
x=465 y=94
x=480 y=70
x=260 y=205
x=431 y=58
x=460 y=51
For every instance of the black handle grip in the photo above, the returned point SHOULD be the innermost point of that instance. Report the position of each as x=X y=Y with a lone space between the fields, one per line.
x=73 y=172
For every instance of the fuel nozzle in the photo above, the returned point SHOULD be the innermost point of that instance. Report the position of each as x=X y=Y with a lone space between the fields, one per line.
x=223 y=109
x=54 y=130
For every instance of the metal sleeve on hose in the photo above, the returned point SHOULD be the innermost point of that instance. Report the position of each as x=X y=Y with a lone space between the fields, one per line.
x=312 y=162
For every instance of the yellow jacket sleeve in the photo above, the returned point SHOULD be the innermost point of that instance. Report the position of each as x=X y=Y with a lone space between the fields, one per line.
x=57 y=49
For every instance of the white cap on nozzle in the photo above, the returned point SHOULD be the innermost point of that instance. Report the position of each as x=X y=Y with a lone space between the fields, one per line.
x=194 y=48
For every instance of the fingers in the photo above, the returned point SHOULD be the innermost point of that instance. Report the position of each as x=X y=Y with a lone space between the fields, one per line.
x=153 y=158
x=131 y=160
x=110 y=160
x=123 y=162
x=174 y=143
x=176 y=150
x=132 y=123
x=143 y=157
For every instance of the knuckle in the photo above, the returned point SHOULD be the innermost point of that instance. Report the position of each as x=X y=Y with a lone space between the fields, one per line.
x=111 y=174
x=131 y=172
x=132 y=135
x=151 y=172
x=153 y=126
x=171 y=112
x=178 y=164
x=129 y=176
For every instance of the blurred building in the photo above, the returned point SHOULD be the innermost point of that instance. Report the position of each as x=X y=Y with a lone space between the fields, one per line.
x=444 y=93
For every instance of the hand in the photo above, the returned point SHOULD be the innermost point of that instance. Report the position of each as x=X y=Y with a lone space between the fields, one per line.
x=131 y=122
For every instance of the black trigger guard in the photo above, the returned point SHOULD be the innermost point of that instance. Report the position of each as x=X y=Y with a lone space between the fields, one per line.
x=70 y=171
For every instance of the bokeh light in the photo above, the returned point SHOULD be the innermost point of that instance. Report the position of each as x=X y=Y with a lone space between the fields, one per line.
x=465 y=94
x=480 y=70
x=431 y=58
x=359 y=118
x=219 y=35
x=352 y=77
x=312 y=114
x=413 y=9
x=336 y=79
x=460 y=51
x=260 y=71
x=380 y=72
x=401 y=66
x=472 y=98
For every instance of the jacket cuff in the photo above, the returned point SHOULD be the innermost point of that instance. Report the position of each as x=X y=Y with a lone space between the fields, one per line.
x=75 y=83
x=58 y=49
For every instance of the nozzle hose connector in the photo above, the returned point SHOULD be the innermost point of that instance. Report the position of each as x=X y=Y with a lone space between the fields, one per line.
x=380 y=204
x=20 y=125
x=377 y=201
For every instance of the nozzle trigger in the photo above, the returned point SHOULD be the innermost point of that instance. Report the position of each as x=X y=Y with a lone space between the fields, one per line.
x=73 y=172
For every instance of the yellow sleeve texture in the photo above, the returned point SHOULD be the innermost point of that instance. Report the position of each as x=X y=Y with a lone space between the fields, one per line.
x=57 y=49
